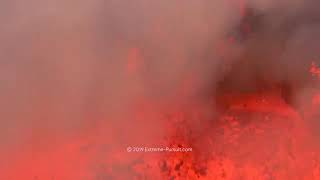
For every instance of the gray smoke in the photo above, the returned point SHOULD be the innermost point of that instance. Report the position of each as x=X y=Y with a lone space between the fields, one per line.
x=69 y=67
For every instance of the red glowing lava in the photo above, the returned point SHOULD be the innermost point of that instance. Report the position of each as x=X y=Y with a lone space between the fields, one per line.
x=257 y=135
x=234 y=134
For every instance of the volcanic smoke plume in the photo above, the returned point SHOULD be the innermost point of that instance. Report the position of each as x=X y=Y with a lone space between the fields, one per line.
x=206 y=89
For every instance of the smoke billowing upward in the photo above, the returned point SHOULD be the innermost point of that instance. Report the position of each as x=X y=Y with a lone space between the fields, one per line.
x=115 y=68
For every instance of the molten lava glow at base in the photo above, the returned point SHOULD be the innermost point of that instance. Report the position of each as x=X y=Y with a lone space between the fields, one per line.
x=256 y=136
x=84 y=84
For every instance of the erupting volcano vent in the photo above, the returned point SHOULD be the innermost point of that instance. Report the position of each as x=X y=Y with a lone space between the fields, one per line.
x=195 y=89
